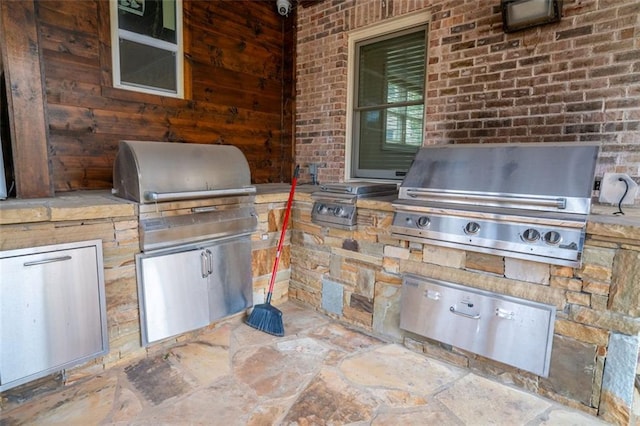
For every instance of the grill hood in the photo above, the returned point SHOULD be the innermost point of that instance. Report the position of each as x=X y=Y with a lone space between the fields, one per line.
x=148 y=172
x=544 y=177
x=529 y=201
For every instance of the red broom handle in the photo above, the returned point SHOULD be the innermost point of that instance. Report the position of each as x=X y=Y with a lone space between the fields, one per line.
x=282 y=233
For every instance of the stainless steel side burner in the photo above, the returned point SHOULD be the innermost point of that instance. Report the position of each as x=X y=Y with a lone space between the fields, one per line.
x=335 y=203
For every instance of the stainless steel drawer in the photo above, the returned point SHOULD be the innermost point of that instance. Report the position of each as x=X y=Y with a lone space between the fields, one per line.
x=513 y=331
x=52 y=310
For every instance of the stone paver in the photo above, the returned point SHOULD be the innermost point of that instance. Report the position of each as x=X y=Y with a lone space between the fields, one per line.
x=319 y=373
x=479 y=401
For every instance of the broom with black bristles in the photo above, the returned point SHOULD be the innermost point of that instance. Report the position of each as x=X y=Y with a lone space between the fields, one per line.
x=266 y=317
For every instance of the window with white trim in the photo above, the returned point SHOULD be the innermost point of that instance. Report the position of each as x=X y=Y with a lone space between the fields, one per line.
x=388 y=103
x=146 y=46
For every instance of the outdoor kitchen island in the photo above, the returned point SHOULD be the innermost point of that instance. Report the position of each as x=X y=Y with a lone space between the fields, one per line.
x=355 y=277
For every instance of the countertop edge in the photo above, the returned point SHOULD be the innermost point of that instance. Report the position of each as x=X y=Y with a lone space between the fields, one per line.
x=101 y=204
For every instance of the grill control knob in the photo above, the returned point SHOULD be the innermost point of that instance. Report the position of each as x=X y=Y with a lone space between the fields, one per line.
x=322 y=209
x=531 y=235
x=472 y=228
x=423 y=222
x=338 y=211
x=552 y=237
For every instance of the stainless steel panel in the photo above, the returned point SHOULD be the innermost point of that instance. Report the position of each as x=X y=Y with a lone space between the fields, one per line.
x=146 y=171
x=187 y=287
x=360 y=189
x=52 y=310
x=513 y=331
x=230 y=282
x=534 y=240
x=338 y=215
x=552 y=171
x=200 y=225
x=173 y=294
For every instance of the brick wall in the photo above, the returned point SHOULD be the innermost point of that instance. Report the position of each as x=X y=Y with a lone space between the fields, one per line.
x=574 y=81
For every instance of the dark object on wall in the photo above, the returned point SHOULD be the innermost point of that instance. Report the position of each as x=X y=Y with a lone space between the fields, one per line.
x=520 y=14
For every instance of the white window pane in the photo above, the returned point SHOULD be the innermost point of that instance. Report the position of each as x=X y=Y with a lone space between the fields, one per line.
x=376 y=149
x=389 y=103
x=147 y=66
x=152 y=18
x=146 y=46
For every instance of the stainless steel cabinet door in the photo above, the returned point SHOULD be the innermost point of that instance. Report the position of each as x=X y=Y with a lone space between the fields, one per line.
x=173 y=293
x=514 y=331
x=52 y=311
x=230 y=280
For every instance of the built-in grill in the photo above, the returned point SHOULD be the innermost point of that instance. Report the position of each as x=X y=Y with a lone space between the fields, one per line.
x=528 y=201
x=196 y=216
x=335 y=204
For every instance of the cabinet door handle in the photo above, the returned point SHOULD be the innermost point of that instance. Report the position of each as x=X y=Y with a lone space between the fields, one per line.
x=205 y=263
x=462 y=314
x=209 y=262
x=43 y=261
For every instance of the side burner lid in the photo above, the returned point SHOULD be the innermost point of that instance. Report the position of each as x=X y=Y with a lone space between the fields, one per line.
x=360 y=189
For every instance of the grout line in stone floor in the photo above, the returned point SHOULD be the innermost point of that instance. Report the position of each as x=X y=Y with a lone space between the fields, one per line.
x=321 y=373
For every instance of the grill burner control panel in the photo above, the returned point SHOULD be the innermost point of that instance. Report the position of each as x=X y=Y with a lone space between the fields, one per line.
x=334 y=213
x=335 y=204
x=516 y=239
x=336 y=210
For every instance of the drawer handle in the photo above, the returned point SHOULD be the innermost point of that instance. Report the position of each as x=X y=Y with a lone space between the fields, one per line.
x=205 y=209
x=502 y=313
x=433 y=295
x=43 y=261
x=452 y=309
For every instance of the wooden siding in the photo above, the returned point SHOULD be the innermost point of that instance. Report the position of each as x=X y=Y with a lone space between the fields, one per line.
x=236 y=75
x=25 y=99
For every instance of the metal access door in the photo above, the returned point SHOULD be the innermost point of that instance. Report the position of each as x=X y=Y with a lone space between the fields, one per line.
x=186 y=289
x=230 y=280
x=513 y=331
x=52 y=310
x=173 y=294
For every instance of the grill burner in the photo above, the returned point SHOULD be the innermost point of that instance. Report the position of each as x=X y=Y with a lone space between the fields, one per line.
x=528 y=201
x=335 y=204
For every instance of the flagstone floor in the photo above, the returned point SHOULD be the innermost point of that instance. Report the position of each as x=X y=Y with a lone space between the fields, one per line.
x=319 y=373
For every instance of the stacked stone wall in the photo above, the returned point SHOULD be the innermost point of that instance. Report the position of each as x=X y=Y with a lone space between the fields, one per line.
x=356 y=277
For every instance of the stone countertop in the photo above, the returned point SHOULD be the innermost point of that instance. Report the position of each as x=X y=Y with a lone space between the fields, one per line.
x=99 y=204
x=603 y=221
x=79 y=205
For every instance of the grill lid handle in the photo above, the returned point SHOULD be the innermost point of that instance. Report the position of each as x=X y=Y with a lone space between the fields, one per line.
x=489 y=200
x=190 y=195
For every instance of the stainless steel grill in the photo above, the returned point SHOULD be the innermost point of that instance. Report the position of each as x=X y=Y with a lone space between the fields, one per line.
x=335 y=204
x=196 y=216
x=528 y=201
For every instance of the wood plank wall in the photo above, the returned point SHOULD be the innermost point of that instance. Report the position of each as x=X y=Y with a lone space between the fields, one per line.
x=239 y=72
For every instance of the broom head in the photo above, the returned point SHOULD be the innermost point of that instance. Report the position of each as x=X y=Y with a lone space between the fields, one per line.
x=267 y=318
